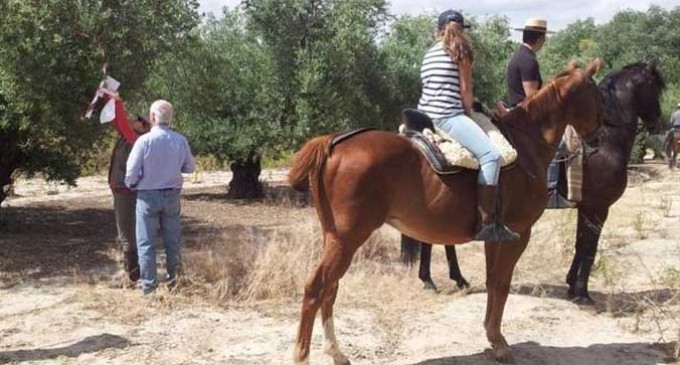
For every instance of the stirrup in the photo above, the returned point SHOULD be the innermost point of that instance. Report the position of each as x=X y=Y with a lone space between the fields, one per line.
x=496 y=232
x=557 y=201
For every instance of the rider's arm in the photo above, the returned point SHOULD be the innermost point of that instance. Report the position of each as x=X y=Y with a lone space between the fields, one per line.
x=530 y=88
x=465 y=72
x=120 y=121
x=530 y=75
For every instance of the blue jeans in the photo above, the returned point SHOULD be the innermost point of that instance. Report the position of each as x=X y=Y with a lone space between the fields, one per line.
x=472 y=137
x=554 y=168
x=158 y=208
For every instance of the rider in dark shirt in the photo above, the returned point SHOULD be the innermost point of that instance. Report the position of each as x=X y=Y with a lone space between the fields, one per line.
x=524 y=80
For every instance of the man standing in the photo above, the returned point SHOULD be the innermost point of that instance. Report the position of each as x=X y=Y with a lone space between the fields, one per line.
x=524 y=75
x=123 y=197
x=675 y=118
x=675 y=127
x=523 y=79
x=154 y=169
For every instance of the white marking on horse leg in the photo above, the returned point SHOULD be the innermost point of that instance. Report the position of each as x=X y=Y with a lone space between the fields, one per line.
x=297 y=357
x=302 y=362
x=332 y=347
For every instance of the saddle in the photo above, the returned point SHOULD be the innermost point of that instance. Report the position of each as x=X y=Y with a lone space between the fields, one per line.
x=445 y=155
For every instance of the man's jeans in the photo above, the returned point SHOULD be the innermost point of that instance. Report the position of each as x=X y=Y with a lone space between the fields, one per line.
x=554 y=168
x=154 y=208
x=124 y=208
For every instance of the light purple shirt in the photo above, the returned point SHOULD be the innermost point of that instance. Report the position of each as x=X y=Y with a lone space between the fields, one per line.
x=158 y=159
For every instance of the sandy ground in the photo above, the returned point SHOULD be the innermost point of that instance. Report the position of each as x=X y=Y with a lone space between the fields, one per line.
x=57 y=306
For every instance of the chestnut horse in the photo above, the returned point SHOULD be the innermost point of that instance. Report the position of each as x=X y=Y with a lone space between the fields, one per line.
x=628 y=94
x=377 y=177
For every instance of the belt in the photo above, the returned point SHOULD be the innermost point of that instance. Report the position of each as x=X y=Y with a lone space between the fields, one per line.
x=168 y=189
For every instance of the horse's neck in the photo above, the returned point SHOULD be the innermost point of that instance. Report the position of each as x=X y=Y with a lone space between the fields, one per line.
x=532 y=145
x=620 y=123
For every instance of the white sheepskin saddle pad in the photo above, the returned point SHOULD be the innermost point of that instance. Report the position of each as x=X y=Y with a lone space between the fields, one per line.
x=457 y=155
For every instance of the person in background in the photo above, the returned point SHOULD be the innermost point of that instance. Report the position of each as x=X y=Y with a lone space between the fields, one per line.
x=675 y=127
x=523 y=80
x=154 y=169
x=124 y=199
x=447 y=98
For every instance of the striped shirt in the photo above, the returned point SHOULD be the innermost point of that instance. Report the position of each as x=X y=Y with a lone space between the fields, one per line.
x=441 y=85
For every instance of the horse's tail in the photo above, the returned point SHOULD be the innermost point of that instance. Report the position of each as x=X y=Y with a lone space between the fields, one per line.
x=309 y=162
x=410 y=249
x=308 y=167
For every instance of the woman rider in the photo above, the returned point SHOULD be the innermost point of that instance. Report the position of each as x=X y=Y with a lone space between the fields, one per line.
x=447 y=98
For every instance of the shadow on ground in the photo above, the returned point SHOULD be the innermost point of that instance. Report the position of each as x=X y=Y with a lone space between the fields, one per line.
x=56 y=240
x=90 y=344
x=532 y=353
x=618 y=304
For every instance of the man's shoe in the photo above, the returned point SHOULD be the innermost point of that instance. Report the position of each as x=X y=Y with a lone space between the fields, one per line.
x=557 y=201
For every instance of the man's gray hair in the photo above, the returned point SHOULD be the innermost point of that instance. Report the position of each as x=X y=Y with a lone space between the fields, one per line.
x=163 y=111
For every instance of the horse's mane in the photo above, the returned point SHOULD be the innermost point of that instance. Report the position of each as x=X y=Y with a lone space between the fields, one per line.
x=609 y=81
x=539 y=105
x=654 y=71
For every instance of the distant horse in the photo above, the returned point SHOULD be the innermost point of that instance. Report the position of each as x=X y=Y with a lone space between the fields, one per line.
x=672 y=148
x=628 y=94
x=365 y=180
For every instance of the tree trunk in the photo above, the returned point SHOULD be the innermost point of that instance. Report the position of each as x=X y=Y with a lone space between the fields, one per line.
x=245 y=183
x=9 y=161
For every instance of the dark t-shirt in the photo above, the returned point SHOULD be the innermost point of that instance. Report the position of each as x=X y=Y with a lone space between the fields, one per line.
x=523 y=67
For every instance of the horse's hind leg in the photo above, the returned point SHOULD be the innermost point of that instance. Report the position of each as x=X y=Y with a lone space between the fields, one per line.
x=425 y=261
x=332 y=347
x=454 y=268
x=320 y=291
x=501 y=261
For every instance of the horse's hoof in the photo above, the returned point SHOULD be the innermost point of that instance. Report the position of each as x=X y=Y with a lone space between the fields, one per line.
x=429 y=285
x=504 y=355
x=583 y=300
x=462 y=284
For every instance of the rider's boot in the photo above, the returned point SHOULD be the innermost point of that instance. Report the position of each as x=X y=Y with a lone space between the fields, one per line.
x=492 y=229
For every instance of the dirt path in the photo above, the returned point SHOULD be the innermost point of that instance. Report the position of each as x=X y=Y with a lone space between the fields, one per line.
x=56 y=306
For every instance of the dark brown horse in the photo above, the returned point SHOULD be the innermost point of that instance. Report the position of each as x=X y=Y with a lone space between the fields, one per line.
x=373 y=178
x=628 y=94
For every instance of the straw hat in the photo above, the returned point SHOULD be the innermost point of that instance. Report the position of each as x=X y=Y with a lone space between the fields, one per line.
x=535 y=25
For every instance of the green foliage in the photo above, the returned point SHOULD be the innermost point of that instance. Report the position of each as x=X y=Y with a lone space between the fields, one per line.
x=576 y=42
x=493 y=49
x=327 y=61
x=401 y=54
x=261 y=80
x=223 y=86
x=51 y=58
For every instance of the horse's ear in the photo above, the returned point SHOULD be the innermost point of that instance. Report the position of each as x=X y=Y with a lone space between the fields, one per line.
x=572 y=65
x=594 y=67
x=653 y=65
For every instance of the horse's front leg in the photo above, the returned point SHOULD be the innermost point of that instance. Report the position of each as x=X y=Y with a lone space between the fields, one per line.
x=501 y=260
x=589 y=228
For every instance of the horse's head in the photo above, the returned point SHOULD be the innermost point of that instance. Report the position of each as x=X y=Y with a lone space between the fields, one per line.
x=572 y=97
x=583 y=100
x=639 y=87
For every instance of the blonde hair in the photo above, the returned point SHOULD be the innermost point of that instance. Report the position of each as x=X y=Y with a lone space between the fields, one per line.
x=456 y=44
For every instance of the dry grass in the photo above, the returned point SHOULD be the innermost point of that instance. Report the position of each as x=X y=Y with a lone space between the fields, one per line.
x=272 y=265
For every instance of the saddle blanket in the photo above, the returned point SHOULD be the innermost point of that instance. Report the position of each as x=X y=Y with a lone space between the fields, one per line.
x=457 y=155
